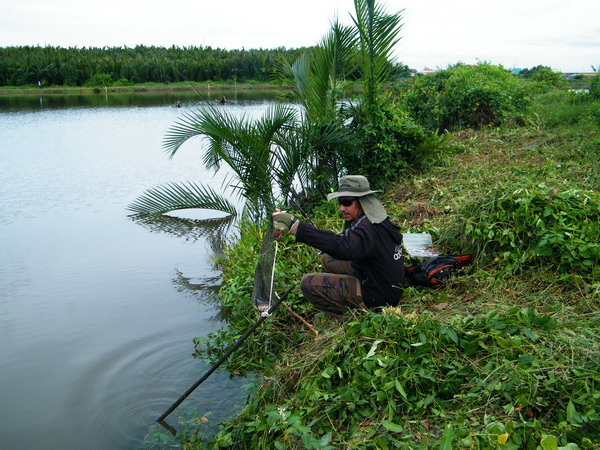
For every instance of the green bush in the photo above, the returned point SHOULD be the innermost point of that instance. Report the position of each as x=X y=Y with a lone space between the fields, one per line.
x=595 y=87
x=390 y=143
x=548 y=76
x=466 y=96
x=122 y=82
x=527 y=227
x=99 y=80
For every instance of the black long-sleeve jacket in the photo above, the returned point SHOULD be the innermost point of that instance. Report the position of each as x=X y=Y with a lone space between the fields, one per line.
x=375 y=251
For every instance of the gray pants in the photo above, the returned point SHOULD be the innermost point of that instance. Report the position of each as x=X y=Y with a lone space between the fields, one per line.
x=336 y=290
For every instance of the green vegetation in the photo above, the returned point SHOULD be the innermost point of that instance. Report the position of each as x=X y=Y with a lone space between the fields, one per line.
x=544 y=77
x=57 y=66
x=595 y=87
x=246 y=147
x=387 y=140
x=123 y=66
x=534 y=224
x=503 y=167
x=415 y=381
x=466 y=96
x=507 y=356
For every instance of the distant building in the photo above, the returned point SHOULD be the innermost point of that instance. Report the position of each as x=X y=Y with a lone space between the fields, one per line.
x=573 y=75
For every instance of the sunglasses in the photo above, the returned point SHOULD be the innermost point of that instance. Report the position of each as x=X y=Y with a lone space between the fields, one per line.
x=346 y=201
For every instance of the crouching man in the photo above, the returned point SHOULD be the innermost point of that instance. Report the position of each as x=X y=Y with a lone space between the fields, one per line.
x=363 y=266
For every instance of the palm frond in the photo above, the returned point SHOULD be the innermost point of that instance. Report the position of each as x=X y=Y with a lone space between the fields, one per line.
x=245 y=145
x=299 y=73
x=290 y=161
x=329 y=67
x=183 y=130
x=174 y=196
x=378 y=35
x=307 y=149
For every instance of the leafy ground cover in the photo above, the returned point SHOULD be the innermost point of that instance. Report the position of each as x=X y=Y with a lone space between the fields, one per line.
x=507 y=356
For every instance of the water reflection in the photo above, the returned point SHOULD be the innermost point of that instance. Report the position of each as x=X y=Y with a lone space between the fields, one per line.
x=206 y=285
x=214 y=231
x=105 y=309
x=172 y=97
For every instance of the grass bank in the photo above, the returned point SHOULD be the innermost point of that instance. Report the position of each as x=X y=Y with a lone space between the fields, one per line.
x=141 y=88
x=506 y=356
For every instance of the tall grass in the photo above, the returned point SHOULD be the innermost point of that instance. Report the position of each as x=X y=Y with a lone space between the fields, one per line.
x=558 y=108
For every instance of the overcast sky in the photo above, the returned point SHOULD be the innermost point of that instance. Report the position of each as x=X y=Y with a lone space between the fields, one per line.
x=515 y=33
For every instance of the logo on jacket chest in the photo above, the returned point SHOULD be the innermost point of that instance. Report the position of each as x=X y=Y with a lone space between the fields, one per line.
x=398 y=252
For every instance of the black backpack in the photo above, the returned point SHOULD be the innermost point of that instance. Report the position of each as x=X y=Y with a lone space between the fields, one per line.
x=435 y=271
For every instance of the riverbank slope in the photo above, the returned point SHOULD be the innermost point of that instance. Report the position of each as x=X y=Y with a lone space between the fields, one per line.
x=507 y=354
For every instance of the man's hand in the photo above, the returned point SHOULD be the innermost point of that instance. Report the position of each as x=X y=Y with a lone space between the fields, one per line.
x=283 y=221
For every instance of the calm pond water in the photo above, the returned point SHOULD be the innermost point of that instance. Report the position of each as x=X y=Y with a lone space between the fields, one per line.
x=98 y=311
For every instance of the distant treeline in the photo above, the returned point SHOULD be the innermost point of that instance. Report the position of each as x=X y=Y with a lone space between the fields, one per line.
x=77 y=66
